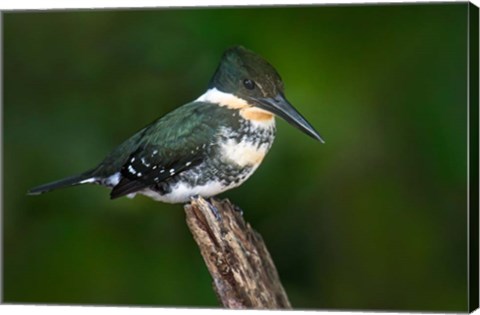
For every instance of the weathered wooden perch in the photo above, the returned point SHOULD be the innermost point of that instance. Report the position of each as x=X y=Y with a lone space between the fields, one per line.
x=243 y=272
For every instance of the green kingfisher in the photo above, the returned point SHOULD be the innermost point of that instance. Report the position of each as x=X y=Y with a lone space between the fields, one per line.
x=204 y=147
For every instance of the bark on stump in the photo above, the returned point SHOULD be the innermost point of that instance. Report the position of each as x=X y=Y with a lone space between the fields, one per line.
x=244 y=275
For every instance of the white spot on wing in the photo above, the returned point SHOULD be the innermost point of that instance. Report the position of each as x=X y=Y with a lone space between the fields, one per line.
x=145 y=162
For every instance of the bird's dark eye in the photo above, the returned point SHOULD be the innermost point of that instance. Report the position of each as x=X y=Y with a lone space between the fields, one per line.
x=249 y=84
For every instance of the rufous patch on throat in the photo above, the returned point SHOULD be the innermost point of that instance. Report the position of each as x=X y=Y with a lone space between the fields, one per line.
x=247 y=111
x=256 y=114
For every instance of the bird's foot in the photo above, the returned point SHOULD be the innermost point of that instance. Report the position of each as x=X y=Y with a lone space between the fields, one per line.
x=215 y=211
x=238 y=209
x=212 y=208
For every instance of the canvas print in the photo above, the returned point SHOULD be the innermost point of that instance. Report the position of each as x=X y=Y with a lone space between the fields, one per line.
x=300 y=157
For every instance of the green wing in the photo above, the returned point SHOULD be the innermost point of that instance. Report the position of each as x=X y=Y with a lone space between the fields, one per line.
x=167 y=147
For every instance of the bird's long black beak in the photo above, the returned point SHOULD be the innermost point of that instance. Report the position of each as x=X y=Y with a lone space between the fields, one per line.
x=282 y=108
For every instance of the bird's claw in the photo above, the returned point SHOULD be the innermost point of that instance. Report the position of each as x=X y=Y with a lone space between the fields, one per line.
x=238 y=210
x=212 y=208
x=215 y=212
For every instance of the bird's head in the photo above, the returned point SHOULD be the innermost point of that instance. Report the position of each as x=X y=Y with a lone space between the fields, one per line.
x=247 y=76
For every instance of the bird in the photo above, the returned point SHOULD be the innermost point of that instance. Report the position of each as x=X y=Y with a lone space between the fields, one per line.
x=205 y=147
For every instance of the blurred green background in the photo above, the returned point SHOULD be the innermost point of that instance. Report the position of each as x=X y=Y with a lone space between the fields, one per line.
x=373 y=219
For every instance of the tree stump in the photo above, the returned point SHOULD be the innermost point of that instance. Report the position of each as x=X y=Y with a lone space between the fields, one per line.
x=244 y=275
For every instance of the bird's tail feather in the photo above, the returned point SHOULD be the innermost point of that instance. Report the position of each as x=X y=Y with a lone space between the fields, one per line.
x=65 y=182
